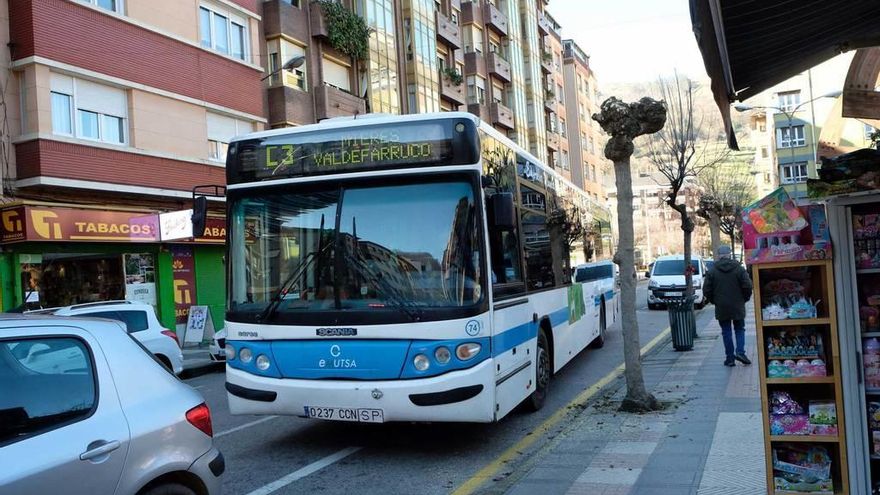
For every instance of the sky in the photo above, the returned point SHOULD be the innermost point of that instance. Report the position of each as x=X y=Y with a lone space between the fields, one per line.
x=632 y=40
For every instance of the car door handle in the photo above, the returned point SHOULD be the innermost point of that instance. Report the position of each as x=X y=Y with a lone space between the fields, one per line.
x=98 y=451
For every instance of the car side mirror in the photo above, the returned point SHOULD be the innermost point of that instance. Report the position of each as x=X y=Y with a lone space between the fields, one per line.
x=200 y=215
x=648 y=274
x=503 y=213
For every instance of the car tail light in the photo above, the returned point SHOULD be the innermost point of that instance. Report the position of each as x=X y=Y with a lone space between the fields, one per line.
x=200 y=417
x=171 y=334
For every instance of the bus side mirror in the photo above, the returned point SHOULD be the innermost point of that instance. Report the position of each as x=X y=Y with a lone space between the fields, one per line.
x=502 y=210
x=200 y=215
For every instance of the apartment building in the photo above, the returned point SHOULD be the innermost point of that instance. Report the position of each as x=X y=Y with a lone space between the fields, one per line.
x=117 y=109
x=584 y=135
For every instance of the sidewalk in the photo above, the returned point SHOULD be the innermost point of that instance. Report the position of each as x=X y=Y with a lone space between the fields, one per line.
x=707 y=441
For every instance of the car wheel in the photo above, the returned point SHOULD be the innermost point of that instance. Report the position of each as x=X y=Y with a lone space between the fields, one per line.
x=170 y=489
x=535 y=401
x=599 y=341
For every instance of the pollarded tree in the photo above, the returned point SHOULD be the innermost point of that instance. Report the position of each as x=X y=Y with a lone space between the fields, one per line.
x=624 y=122
x=685 y=146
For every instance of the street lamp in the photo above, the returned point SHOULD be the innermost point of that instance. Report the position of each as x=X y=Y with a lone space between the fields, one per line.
x=789 y=115
x=289 y=65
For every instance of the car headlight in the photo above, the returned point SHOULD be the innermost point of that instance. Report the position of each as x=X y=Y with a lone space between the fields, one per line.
x=653 y=283
x=468 y=350
x=442 y=355
x=245 y=355
x=230 y=352
x=421 y=362
x=262 y=362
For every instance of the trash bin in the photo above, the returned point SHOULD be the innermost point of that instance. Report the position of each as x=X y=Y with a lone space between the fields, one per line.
x=682 y=323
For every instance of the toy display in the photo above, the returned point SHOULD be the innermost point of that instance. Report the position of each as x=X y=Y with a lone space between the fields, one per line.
x=775 y=229
x=787 y=416
x=866 y=240
x=871 y=360
x=823 y=417
x=788 y=297
x=802 y=468
x=795 y=343
x=874 y=426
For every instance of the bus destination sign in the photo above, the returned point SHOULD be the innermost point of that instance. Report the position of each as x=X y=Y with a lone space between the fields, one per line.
x=349 y=150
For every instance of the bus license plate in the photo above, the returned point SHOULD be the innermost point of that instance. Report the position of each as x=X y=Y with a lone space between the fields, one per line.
x=346 y=414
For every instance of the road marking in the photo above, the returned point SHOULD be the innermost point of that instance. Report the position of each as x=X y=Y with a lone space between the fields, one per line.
x=491 y=469
x=241 y=427
x=305 y=471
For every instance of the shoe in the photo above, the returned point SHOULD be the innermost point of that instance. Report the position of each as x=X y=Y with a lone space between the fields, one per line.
x=729 y=362
x=742 y=358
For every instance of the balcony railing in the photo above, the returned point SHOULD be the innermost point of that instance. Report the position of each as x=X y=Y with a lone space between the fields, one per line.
x=494 y=19
x=331 y=101
x=501 y=115
x=448 y=31
x=498 y=67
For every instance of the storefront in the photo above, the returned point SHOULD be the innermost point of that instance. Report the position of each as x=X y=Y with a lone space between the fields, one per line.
x=57 y=256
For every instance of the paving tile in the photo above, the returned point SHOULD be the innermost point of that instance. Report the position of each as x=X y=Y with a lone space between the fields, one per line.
x=598 y=489
x=629 y=447
x=610 y=476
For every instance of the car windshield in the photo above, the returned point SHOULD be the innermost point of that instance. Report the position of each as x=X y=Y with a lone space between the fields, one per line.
x=673 y=267
x=387 y=248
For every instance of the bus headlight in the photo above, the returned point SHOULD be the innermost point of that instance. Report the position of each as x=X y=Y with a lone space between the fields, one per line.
x=421 y=362
x=230 y=352
x=467 y=351
x=245 y=355
x=262 y=362
x=442 y=355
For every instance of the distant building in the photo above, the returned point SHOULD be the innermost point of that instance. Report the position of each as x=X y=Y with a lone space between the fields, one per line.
x=585 y=136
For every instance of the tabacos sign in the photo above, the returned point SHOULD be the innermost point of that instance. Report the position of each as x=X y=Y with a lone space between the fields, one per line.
x=34 y=223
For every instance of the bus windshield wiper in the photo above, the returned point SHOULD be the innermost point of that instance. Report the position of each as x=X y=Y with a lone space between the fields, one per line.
x=282 y=291
x=392 y=295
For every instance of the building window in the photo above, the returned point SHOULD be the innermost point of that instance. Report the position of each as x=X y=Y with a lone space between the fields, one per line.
x=476 y=87
x=765 y=153
x=61 y=110
x=336 y=74
x=473 y=39
x=221 y=130
x=88 y=110
x=790 y=137
x=562 y=128
x=794 y=173
x=111 y=5
x=280 y=51
x=563 y=158
x=789 y=100
x=221 y=32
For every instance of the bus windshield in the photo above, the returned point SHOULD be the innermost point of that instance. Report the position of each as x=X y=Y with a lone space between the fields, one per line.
x=402 y=248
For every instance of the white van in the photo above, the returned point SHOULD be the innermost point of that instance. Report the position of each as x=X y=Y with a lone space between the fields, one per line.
x=667 y=280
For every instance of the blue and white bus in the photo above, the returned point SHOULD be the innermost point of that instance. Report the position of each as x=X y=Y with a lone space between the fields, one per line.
x=405 y=268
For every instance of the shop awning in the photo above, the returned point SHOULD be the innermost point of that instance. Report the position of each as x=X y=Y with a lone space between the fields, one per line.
x=751 y=45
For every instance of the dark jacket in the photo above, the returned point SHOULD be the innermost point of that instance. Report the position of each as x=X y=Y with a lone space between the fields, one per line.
x=728 y=287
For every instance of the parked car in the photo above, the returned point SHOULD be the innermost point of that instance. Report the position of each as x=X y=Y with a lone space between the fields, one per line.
x=667 y=280
x=85 y=409
x=217 y=348
x=140 y=321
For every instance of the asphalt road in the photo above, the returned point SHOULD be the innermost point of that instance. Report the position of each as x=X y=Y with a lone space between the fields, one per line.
x=295 y=455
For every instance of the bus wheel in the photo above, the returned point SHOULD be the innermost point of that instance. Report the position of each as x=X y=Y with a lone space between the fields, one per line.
x=599 y=341
x=542 y=375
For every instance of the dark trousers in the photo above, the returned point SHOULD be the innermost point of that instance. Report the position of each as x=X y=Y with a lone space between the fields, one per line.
x=738 y=326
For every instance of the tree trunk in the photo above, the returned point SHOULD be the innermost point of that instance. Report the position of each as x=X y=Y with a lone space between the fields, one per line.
x=715 y=233
x=637 y=397
x=687 y=227
x=733 y=243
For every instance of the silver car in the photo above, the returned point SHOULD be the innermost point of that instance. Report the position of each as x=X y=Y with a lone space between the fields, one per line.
x=85 y=409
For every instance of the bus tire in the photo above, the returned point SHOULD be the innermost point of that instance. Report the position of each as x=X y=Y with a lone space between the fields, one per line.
x=599 y=341
x=535 y=401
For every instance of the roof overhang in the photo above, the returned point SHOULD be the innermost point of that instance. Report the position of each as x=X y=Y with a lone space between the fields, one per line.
x=751 y=45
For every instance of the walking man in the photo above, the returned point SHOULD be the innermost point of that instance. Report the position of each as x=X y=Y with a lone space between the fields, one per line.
x=728 y=287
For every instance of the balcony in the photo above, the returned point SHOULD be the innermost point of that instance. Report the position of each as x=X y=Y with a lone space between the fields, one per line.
x=451 y=92
x=279 y=16
x=552 y=140
x=494 y=19
x=544 y=27
x=501 y=115
x=549 y=101
x=447 y=31
x=546 y=62
x=474 y=63
x=471 y=13
x=498 y=67
x=478 y=109
x=319 y=26
x=289 y=105
x=333 y=102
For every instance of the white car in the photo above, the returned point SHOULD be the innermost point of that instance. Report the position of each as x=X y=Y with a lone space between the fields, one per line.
x=141 y=322
x=667 y=280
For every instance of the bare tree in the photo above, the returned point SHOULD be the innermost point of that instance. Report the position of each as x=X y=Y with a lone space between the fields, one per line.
x=624 y=122
x=684 y=147
x=726 y=189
